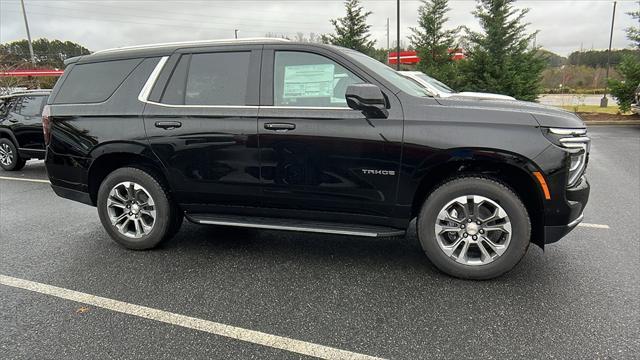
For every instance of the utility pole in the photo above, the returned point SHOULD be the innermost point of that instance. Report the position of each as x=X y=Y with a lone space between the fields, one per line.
x=398 y=38
x=388 y=46
x=236 y=30
x=26 y=25
x=605 y=101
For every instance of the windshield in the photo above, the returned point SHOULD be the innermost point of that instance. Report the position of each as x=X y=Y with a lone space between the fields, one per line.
x=442 y=87
x=388 y=74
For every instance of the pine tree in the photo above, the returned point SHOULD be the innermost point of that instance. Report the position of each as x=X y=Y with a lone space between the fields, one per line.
x=433 y=42
x=633 y=32
x=624 y=90
x=352 y=31
x=499 y=57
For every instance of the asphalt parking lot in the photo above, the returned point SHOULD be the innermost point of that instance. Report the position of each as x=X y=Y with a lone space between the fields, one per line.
x=578 y=299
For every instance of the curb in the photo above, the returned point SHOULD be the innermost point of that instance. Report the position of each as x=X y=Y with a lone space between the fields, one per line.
x=614 y=122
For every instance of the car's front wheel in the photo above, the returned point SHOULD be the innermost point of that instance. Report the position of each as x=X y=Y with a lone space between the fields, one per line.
x=474 y=228
x=10 y=160
x=136 y=210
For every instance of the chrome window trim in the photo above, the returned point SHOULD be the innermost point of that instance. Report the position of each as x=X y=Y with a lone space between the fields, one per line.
x=143 y=96
x=151 y=81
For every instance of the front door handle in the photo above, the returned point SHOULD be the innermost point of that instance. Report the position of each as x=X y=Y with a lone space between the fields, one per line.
x=279 y=126
x=168 y=125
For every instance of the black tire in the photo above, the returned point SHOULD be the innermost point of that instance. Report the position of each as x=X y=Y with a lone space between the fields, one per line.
x=15 y=162
x=168 y=216
x=493 y=190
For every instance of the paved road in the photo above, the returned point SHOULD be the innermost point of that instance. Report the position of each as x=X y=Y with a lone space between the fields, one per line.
x=578 y=299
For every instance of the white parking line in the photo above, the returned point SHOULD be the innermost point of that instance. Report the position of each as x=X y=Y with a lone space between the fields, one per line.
x=252 y=336
x=24 y=179
x=595 y=226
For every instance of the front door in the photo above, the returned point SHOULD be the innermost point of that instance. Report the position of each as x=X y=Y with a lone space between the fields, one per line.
x=202 y=125
x=316 y=152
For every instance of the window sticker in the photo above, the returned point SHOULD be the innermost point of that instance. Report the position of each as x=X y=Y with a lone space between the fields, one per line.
x=308 y=81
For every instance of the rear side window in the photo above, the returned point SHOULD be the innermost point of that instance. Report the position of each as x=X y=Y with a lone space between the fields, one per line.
x=210 y=79
x=94 y=82
x=29 y=105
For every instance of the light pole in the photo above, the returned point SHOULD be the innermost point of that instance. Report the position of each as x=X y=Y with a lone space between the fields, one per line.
x=604 y=102
x=26 y=25
x=398 y=38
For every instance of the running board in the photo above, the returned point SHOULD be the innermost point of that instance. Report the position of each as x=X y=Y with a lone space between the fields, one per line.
x=294 y=225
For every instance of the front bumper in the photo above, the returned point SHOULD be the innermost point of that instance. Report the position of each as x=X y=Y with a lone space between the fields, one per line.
x=577 y=198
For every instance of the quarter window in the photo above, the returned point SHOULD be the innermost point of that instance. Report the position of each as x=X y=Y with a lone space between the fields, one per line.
x=306 y=79
x=94 y=82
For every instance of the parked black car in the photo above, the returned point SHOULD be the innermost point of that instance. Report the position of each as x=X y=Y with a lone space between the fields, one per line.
x=304 y=137
x=21 y=128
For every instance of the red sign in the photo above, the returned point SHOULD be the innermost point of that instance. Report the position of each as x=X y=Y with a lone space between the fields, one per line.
x=42 y=72
x=406 y=57
x=411 y=56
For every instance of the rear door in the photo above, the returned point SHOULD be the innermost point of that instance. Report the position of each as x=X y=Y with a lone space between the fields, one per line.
x=317 y=153
x=201 y=120
x=25 y=120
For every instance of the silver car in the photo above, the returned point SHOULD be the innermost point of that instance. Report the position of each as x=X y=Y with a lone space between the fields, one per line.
x=440 y=89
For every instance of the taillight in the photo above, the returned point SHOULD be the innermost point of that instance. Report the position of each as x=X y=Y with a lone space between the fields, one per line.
x=46 y=124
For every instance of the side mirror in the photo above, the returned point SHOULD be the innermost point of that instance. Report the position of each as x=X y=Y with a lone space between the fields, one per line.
x=367 y=98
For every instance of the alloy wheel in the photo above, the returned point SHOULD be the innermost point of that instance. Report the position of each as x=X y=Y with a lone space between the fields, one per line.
x=131 y=209
x=6 y=155
x=473 y=230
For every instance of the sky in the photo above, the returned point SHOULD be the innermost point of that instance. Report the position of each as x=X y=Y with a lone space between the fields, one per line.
x=565 y=26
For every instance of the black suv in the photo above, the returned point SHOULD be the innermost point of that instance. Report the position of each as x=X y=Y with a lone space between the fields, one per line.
x=279 y=135
x=21 y=128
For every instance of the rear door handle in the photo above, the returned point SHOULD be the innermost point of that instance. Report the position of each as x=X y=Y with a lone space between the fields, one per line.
x=168 y=125
x=279 y=126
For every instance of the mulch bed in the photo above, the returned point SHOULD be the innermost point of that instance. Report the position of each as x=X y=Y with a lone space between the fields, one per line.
x=589 y=116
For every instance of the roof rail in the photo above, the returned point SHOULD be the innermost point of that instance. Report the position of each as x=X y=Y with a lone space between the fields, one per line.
x=195 y=42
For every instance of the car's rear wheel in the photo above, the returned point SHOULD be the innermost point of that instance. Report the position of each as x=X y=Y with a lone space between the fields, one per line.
x=474 y=228
x=136 y=210
x=10 y=160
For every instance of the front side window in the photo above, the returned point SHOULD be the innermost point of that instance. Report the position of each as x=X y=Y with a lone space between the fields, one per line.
x=306 y=79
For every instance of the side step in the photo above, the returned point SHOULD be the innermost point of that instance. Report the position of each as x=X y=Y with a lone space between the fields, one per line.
x=294 y=225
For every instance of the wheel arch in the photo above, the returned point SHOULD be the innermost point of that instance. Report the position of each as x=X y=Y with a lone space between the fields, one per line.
x=112 y=156
x=510 y=169
x=8 y=134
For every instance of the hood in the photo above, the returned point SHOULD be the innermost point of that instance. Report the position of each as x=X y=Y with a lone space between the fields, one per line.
x=477 y=95
x=547 y=116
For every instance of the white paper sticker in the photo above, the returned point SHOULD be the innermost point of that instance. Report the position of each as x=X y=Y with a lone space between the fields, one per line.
x=304 y=81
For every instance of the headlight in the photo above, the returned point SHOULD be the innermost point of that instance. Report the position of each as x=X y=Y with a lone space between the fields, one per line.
x=577 y=143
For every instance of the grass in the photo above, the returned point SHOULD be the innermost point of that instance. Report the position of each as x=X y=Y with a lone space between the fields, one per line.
x=592 y=109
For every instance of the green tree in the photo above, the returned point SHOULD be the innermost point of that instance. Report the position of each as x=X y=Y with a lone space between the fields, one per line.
x=47 y=53
x=433 y=42
x=633 y=32
x=352 y=31
x=499 y=58
x=624 y=90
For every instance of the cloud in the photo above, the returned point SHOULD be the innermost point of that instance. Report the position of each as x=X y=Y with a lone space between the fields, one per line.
x=564 y=26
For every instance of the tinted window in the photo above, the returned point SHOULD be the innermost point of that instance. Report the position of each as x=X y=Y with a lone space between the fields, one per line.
x=95 y=82
x=217 y=79
x=305 y=79
x=174 y=92
x=5 y=104
x=29 y=105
